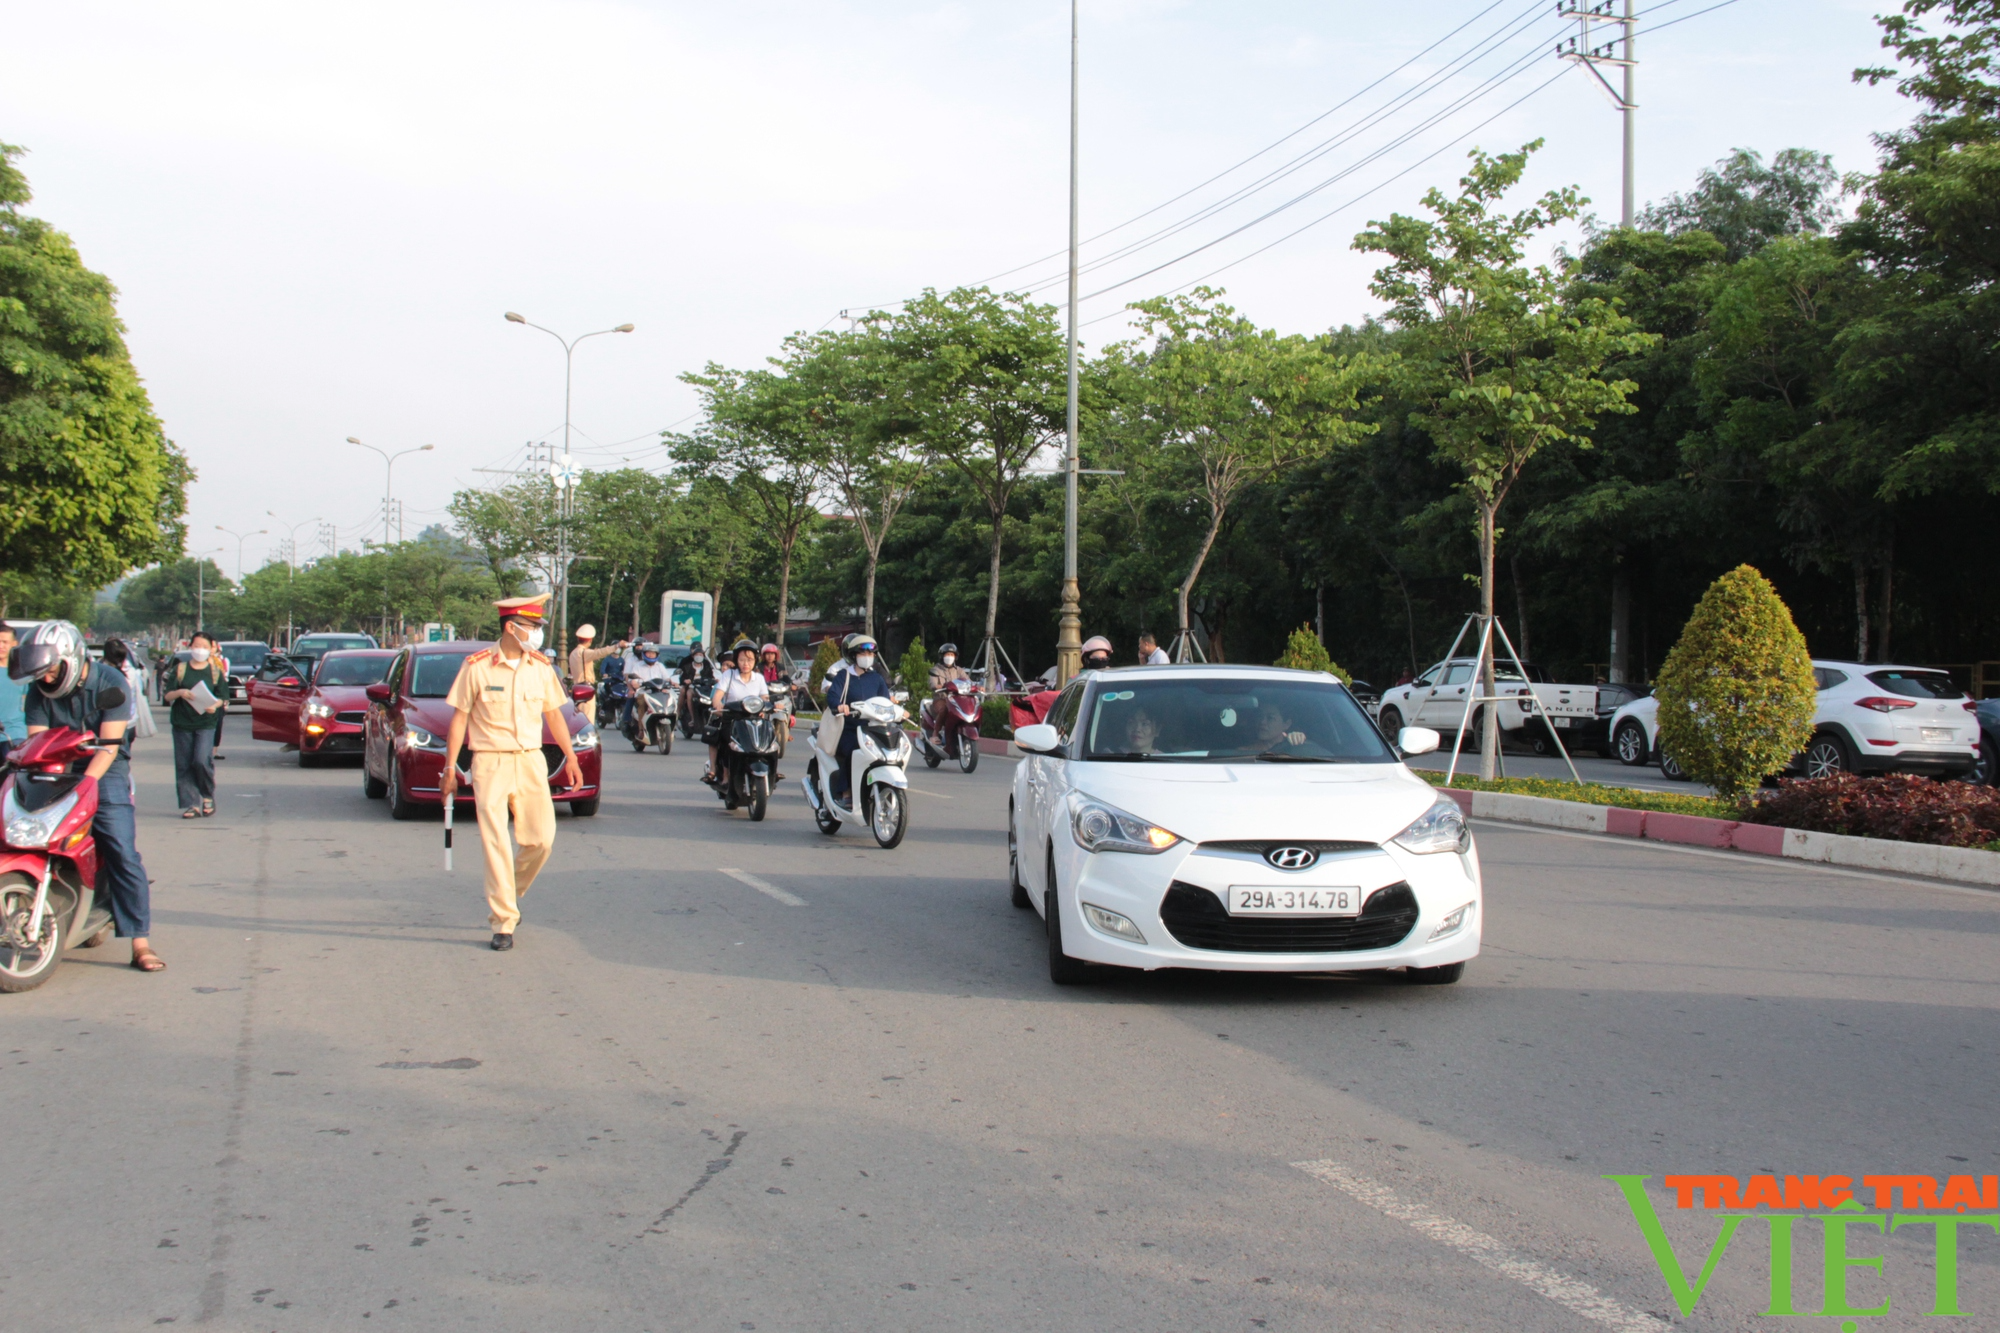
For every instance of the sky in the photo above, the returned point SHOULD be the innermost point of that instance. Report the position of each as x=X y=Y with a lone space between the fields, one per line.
x=317 y=215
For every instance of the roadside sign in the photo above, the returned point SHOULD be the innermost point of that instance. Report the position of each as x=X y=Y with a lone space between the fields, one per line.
x=434 y=632
x=687 y=618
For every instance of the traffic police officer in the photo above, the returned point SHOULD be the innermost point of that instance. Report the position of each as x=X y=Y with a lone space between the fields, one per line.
x=502 y=698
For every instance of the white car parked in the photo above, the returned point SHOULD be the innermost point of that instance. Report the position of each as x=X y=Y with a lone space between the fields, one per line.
x=1236 y=818
x=1871 y=717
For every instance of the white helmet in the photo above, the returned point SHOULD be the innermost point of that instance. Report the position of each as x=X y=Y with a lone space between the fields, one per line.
x=51 y=643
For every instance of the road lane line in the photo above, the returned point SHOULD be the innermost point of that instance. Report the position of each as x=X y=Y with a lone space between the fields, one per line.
x=1570 y=1293
x=769 y=890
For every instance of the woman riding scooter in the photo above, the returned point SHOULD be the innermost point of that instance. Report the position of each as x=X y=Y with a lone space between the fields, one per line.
x=861 y=681
x=744 y=682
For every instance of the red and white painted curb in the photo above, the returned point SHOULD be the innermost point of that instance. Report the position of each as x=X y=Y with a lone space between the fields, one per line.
x=1959 y=864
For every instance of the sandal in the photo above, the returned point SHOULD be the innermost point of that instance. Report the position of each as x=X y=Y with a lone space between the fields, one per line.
x=194 y=813
x=148 y=961
x=208 y=807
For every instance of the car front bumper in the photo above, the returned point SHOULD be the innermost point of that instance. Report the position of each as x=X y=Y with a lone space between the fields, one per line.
x=1137 y=888
x=331 y=738
x=422 y=769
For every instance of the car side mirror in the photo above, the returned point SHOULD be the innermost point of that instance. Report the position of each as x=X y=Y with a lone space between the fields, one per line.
x=1417 y=740
x=1041 y=738
x=290 y=682
x=582 y=694
x=379 y=693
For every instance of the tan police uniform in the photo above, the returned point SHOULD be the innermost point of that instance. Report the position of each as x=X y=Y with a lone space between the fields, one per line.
x=503 y=705
x=583 y=661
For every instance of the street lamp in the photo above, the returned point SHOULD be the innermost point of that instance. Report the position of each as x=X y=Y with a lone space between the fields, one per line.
x=565 y=474
x=1069 y=627
x=240 y=537
x=291 y=567
x=389 y=476
x=200 y=559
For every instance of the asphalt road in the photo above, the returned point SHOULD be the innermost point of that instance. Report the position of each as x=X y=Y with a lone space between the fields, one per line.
x=683 y=1103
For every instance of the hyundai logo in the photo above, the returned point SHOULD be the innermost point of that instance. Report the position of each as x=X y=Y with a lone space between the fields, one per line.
x=1291 y=858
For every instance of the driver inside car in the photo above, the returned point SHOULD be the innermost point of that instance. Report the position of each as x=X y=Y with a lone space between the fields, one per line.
x=1274 y=732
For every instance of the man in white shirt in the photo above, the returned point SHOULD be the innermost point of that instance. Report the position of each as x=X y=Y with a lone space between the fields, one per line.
x=1150 y=652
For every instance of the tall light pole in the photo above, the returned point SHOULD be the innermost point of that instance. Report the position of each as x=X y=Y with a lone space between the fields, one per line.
x=240 y=538
x=291 y=566
x=1069 y=632
x=565 y=474
x=388 y=493
x=200 y=594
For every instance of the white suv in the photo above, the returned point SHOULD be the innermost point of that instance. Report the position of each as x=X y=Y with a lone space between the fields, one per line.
x=1871 y=717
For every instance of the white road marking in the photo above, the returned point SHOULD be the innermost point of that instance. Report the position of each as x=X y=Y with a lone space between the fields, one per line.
x=769 y=890
x=1566 y=1291
x=935 y=795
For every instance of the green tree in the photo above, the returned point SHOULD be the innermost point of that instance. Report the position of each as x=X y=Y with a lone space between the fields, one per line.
x=1500 y=363
x=1736 y=693
x=1744 y=203
x=1227 y=405
x=626 y=520
x=1304 y=652
x=914 y=666
x=93 y=485
x=823 y=660
x=165 y=595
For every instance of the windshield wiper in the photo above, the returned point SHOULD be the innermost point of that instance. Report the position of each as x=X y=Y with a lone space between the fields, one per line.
x=1280 y=757
x=1130 y=756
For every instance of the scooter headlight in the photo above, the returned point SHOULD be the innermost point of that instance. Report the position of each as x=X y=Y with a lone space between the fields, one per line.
x=33 y=828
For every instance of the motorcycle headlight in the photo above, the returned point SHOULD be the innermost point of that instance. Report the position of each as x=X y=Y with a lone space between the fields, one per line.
x=1099 y=827
x=421 y=739
x=585 y=738
x=1442 y=828
x=34 y=828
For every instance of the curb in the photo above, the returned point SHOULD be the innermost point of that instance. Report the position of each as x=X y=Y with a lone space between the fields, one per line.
x=1963 y=865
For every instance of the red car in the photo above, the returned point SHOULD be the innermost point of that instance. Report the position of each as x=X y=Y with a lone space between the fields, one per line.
x=317 y=706
x=408 y=719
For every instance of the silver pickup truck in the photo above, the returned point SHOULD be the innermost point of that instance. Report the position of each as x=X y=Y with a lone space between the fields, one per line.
x=1437 y=699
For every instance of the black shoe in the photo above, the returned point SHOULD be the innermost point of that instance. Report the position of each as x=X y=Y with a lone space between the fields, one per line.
x=502 y=943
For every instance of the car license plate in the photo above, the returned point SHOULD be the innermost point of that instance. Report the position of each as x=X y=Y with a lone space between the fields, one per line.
x=1271 y=900
x=1562 y=721
x=1939 y=735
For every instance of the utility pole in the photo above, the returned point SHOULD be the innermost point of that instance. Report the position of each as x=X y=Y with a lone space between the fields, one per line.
x=1594 y=47
x=1069 y=633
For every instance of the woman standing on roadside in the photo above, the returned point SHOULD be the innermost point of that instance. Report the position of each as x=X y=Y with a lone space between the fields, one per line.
x=194 y=729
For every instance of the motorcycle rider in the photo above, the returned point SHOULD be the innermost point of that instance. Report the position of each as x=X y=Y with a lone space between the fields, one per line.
x=645 y=669
x=862 y=680
x=947 y=669
x=1096 y=653
x=583 y=660
x=744 y=682
x=771 y=667
x=697 y=677
x=68 y=691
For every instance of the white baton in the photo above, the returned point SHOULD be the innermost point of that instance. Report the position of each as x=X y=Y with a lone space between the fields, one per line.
x=450 y=801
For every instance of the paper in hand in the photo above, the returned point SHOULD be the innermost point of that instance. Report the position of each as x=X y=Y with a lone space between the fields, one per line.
x=202 y=697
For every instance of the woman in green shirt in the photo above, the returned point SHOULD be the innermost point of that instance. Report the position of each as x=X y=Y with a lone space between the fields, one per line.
x=195 y=729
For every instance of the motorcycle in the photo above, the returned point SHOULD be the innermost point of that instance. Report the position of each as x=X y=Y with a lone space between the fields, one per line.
x=880 y=787
x=694 y=708
x=652 y=719
x=781 y=719
x=951 y=726
x=48 y=859
x=748 y=757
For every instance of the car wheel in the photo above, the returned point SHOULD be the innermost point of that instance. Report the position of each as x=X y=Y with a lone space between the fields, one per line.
x=1063 y=970
x=1826 y=756
x=400 y=805
x=1987 y=765
x=371 y=788
x=1629 y=746
x=584 y=808
x=1020 y=890
x=1435 y=976
x=1671 y=770
x=1391 y=722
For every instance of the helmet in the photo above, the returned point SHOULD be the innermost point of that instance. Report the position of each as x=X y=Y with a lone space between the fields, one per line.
x=857 y=643
x=647 y=649
x=1096 y=651
x=739 y=647
x=948 y=648
x=771 y=648
x=51 y=643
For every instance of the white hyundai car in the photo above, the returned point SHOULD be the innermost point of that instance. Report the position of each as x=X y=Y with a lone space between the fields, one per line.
x=1245 y=819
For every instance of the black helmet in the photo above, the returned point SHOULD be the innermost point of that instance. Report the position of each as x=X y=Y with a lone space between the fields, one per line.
x=948 y=648
x=51 y=643
x=740 y=647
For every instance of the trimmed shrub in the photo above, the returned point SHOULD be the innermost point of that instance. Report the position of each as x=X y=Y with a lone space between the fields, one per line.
x=996 y=717
x=915 y=669
x=1736 y=693
x=1304 y=652
x=1902 y=807
x=828 y=654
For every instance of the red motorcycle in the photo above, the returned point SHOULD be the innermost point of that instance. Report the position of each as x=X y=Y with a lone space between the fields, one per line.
x=48 y=860
x=951 y=726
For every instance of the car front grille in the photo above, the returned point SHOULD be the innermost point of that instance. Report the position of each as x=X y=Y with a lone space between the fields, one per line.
x=1197 y=918
x=349 y=744
x=1261 y=847
x=353 y=717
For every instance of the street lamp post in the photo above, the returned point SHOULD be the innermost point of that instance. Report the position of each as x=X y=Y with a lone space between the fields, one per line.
x=291 y=568
x=201 y=594
x=1069 y=632
x=565 y=475
x=240 y=538
x=388 y=494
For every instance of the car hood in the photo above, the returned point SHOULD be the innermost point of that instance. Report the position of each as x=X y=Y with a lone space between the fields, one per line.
x=1212 y=802
x=345 y=697
x=434 y=716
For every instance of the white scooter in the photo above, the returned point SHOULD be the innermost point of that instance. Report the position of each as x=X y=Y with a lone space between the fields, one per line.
x=878 y=778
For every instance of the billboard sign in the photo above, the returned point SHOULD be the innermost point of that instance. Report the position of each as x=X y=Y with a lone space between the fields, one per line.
x=687 y=618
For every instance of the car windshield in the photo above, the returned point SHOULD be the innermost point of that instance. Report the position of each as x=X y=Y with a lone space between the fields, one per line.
x=315 y=645
x=433 y=674
x=357 y=670
x=1203 y=718
x=1917 y=684
x=245 y=657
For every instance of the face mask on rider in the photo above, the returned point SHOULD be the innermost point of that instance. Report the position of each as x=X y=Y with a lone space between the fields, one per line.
x=864 y=660
x=950 y=658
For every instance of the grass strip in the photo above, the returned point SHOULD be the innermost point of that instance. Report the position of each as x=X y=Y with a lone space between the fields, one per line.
x=1592 y=793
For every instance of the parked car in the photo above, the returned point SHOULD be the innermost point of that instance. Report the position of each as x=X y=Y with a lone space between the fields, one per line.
x=1438 y=698
x=1987 y=770
x=307 y=649
x=408 y=720
x=244 y=658
x=321 y=713
x=1869 y=717
x=1597 y=734
x=1328 y=853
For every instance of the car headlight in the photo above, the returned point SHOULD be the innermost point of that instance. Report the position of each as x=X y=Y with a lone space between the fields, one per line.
x=1453 y=922
x=1442 y=828
x=1105 y=828
x=34 y=828
x=585 y=738
x=318 y=709
x=1112 y=924
x=422 y=739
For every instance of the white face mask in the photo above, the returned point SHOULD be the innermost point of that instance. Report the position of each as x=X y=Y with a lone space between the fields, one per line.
x=950 y=658
x=198 y=656
x=864 y=660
